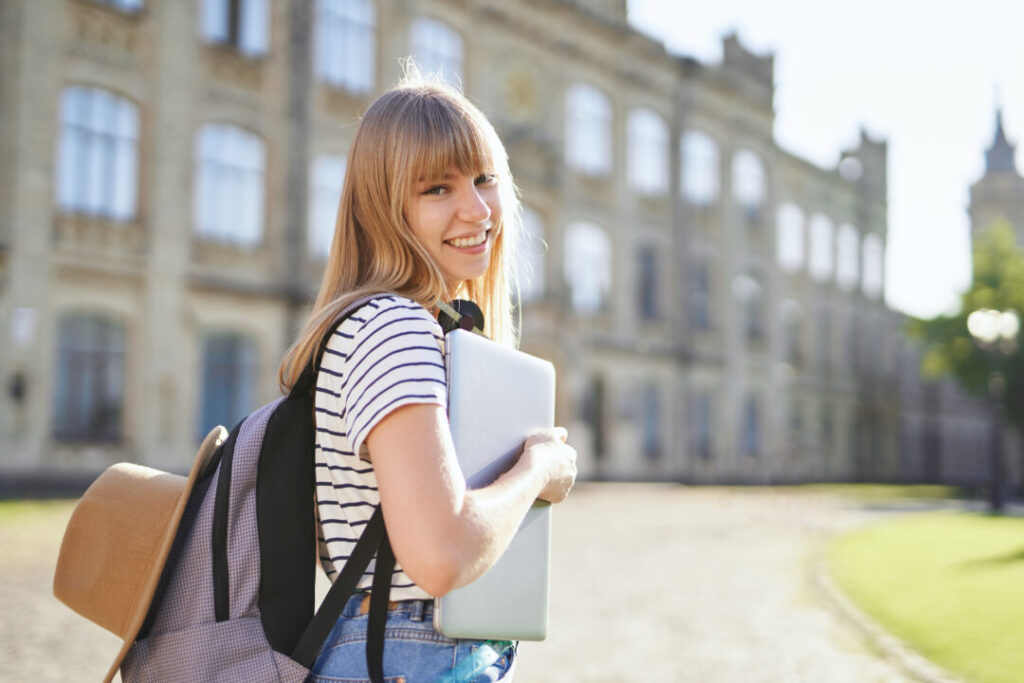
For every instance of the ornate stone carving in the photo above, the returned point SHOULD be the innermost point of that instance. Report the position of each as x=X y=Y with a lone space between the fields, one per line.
x=231 y=68
x=105 y=35
x=91 y=234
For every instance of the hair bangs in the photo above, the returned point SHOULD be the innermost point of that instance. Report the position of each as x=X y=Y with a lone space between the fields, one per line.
x=448 y=137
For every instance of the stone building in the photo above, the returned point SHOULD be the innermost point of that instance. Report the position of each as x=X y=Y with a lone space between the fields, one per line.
x=169 y=172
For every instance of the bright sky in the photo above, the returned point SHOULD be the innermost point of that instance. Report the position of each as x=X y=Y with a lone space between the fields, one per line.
x=923 y=75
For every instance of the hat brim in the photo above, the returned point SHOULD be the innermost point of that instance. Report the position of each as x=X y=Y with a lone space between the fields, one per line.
x=209 y=447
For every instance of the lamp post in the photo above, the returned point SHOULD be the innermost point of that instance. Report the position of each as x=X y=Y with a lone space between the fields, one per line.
x=995 y=332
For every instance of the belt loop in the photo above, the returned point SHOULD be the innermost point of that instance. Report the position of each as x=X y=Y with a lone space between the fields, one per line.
x=417 y=610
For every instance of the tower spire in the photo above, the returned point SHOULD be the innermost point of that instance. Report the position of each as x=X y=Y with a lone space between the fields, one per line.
x=1000 y=156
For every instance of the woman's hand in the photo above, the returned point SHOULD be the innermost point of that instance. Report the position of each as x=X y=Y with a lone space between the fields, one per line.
x=548 y=450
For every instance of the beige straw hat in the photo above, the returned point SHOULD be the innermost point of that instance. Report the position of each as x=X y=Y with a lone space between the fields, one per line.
x=118 y=539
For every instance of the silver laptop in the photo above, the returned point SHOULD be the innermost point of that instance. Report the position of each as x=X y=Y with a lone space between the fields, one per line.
x=497 y=396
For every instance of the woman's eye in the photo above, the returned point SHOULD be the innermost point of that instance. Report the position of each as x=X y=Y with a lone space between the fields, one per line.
x=436 y=189
x=485 y=178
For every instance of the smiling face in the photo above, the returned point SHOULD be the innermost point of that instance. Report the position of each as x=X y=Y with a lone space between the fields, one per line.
x=456 y=218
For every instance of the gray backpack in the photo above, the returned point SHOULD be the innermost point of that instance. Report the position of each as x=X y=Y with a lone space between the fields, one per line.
x=236 y=596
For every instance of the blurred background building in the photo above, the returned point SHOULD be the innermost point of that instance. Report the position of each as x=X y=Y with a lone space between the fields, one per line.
x=170 y=170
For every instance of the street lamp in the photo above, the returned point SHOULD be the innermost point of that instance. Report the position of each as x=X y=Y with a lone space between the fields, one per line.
x=995 y=332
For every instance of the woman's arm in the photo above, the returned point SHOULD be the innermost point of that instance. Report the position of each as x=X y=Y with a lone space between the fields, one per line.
x=443 y=534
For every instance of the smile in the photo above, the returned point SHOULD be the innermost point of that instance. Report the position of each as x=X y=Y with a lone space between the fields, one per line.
x=464 y=242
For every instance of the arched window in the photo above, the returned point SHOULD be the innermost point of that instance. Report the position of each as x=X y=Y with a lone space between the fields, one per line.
x=873 y=279
x=346 y=43
x=124 y=5
x=699 y=181
x=648 y=152
x=438 y=49
x=588 y=130
x=327 y=176
x=821 y=250
x=789 y=246
x=847 y=248
x=228 y=380
x=243 y=24
x=97 y=169
x=748 y=181
x=531 y=256
x=89 y=393
x=229 y=185
x=588 y=267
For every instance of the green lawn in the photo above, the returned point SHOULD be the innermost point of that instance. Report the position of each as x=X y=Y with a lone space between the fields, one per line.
x=949 y=584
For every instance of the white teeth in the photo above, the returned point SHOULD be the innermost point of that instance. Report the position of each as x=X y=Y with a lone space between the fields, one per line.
x=463 y=242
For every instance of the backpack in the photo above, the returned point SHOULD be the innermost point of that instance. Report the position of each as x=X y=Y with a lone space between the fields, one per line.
x=235 y=597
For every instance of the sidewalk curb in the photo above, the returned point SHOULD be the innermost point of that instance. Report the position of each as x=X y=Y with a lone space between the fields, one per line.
x=892 y=648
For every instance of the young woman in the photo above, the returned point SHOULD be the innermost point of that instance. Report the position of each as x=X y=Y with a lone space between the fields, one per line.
x=428 y=213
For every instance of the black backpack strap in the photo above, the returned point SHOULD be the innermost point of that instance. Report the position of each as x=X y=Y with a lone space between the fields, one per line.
x=382 y=574
x=219 y=537
x=344 y=586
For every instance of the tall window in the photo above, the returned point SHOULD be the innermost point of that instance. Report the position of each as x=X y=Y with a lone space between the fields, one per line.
x=823 y=339
x=750 y=439
x=821 y=251
x=702 y=425
x=792 y=329
x=846 y=264
x=648 y=152
x=327 y=175
x=749 y=292
x=748 y=183
x=789 y=248
x=592 y=412
x=438 y=49
x=89 y=395
x=228 y=380
x=700 y=174
x=530 y=258
x=229 y=185
x=651 y=416
x=242 y=24
x=588 y=267
x=588 y=130
x=874 y=266
x=700 y=296
x=97 y=167
x=346 y=43
x=648 y=283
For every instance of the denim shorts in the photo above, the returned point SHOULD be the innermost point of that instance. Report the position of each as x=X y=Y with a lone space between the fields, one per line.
x=413 y=651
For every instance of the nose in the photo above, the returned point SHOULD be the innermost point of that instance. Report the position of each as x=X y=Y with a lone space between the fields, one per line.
x=473 y=208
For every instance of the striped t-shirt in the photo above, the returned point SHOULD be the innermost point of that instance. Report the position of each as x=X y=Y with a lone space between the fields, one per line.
x=387 y=354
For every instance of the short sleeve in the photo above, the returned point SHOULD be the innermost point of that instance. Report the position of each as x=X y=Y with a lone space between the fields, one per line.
x=395 y=360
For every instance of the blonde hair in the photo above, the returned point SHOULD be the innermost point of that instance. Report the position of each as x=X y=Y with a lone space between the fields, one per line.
x=420 y=128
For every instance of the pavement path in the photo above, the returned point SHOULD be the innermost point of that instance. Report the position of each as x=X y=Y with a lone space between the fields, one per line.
x=650 y=583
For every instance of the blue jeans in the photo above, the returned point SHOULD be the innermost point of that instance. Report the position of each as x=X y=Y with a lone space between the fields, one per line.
x=413 y=651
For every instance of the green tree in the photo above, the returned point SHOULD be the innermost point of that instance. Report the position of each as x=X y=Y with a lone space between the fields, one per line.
x=949 y=349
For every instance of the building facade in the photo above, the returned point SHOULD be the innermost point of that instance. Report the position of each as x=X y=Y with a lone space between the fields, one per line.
x=169 y=173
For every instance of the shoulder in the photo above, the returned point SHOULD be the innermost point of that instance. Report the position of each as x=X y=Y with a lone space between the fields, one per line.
x=392 y=314
x=384 y=320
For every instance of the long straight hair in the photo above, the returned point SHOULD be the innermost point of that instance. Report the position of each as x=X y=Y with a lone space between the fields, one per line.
x=420 y=128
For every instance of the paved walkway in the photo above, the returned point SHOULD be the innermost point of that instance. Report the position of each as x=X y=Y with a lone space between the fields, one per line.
x=650 y=583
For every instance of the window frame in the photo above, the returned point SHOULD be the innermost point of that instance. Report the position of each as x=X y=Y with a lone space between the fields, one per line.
x=588 y=130
x=98 y=150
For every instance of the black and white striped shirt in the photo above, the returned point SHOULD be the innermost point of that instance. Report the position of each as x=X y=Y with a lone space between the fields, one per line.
x=389 y=353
